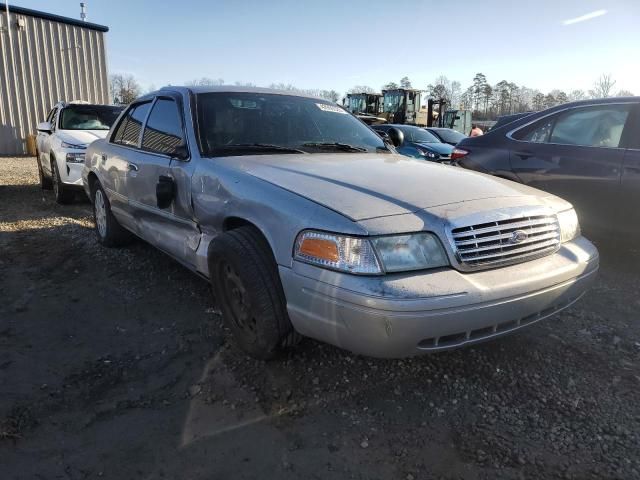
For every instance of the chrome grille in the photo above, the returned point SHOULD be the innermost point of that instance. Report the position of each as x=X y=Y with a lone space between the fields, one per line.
x=512 y=240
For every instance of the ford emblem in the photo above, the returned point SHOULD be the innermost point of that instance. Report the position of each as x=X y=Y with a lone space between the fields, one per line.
x=518 y=236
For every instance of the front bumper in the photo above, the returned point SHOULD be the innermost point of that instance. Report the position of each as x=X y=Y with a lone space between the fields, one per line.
x=408 y=314
x=70 y=173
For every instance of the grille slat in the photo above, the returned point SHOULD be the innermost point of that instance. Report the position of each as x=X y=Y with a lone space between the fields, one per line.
x=508 y=224
x=505 y=241
x=497 y=245
x=503 y=236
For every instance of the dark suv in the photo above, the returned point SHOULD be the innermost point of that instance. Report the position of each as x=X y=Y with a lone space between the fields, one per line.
x=587 y=152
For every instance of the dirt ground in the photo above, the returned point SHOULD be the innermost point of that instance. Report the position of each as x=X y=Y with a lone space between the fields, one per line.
x=114 y=364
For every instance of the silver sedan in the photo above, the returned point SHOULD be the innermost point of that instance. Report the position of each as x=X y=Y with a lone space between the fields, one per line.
x=307 y=223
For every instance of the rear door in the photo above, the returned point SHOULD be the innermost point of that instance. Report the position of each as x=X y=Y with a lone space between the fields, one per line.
x=116 y=164
x=577 y=155
x=630 y=187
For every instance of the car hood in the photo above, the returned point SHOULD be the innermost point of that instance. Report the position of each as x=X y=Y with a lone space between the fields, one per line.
x=440 y=148
x=81 y=137
x=363 y=186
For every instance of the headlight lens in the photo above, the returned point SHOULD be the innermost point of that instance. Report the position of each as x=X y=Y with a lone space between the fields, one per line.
x=377 y=255
x=569 y=225
x=72 y=145
x=427 y=153
x=75 y=157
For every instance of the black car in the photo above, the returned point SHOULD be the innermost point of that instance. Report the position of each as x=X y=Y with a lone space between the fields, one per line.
x=418 y=143
x=446 y=135
x=587 y=152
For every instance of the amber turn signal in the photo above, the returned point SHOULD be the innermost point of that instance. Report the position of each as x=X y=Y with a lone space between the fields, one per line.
x=320 y=248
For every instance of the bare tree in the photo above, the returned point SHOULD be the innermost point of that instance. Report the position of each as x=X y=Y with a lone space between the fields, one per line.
x=603 y=87
x=624 y=93
x=205 y=82
x=576 y=95
x=330 y=95
x=390 y=86
x=361 y=89
x=124 y=88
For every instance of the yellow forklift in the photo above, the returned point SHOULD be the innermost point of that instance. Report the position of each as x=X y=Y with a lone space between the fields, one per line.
x=402 y=105
x=439 y=116
x=366 y=106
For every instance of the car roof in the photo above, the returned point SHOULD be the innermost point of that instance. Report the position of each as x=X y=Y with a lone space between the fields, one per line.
x=228 y=89
x=85 y=104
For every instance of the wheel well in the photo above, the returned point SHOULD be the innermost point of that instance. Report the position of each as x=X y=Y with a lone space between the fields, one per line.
x=231 y=223
x=92 y=179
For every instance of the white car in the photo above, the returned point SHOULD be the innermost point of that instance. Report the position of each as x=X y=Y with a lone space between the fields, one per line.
x=62 y=140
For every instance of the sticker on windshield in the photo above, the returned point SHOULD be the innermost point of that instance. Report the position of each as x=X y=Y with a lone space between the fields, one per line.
x=330 y=108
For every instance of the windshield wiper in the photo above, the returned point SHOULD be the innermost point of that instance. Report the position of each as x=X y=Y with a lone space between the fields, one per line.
x=261 y=146
x=339 y=146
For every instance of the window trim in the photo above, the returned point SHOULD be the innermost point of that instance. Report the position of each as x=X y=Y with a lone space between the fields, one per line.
x=182 y=128
x=138 y=148
x=509 y=134
x=125 y=116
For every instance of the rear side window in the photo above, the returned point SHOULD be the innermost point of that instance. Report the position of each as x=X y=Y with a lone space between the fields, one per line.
x=163 y=131
x=538 y=132
x=599 y=126
x=128 y=130
x=595 y=126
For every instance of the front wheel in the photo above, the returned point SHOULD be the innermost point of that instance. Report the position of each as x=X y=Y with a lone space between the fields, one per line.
x=63 y=195
x=109 y=232
x=247 y=287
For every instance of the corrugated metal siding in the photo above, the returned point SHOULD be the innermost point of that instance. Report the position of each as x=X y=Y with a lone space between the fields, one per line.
x=51 y=62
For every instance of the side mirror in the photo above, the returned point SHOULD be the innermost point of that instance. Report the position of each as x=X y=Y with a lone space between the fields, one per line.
x=396 y=136
x=181 y=152
x=44 y=127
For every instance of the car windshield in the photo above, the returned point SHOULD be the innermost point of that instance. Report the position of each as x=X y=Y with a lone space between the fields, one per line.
x=251 y=123
x=419 y=135
x=88 y=117
x=450 y=135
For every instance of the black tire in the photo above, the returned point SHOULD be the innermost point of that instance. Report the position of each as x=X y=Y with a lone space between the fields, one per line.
x=109 y=232
x=63 y=195
x=45 y=183
x=247 y=288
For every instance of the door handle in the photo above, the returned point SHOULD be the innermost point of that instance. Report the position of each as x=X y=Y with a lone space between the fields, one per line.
x=523 y=155
x=132 y=166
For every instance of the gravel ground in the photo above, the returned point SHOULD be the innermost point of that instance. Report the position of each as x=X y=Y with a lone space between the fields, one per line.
x=115 y=364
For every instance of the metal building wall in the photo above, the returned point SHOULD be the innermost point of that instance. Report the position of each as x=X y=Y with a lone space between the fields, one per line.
x=50 y=61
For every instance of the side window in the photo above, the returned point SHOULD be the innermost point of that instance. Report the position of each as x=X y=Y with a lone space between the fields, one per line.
x=597 y=126
x=163 y=132
x=537 y=132
x=128 y=130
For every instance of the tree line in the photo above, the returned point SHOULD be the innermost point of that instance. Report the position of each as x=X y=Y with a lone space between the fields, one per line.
x=487 y=101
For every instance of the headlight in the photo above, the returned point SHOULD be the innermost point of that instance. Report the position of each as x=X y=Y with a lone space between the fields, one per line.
x=569 y=225
x=75 y=157
x=376 y=255
x=73 y=146
x=428 y=154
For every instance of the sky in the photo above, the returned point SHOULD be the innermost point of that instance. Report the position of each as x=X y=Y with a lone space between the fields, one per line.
x=336 y=44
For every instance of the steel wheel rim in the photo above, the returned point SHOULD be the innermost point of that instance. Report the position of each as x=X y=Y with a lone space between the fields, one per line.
x=100 y=213
x=237 y=299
